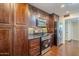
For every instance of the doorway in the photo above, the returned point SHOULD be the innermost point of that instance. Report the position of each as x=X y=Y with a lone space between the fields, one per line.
x=72 y=29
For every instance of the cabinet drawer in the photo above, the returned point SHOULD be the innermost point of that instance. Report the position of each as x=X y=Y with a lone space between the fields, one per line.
x=34 y=47
x=35 y=51
x=34 y=41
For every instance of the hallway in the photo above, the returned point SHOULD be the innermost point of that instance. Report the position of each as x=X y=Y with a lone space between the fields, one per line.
x=67 y=49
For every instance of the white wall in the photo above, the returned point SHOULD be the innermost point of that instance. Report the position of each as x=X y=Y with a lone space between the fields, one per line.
x=62 y=19
x=69 y=31
x=59 y=32
x=76 y=30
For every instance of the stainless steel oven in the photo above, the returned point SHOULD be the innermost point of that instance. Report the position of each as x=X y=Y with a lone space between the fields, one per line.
x=45 y=44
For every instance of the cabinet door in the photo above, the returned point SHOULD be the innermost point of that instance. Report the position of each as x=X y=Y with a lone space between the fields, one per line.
x=20 y=29
x=5 y=13
x=20 y=14
x=5 y=41
x=20 y=41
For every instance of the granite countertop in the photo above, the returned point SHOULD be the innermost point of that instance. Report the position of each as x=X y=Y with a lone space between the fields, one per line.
x=33 y=36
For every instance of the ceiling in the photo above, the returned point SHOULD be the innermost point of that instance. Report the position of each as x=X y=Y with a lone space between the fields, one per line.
x=56 y=8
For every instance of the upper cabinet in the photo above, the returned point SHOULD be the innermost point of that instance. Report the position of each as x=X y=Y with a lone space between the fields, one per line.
x=51 y=22
x=5 y=13
x=21 y=11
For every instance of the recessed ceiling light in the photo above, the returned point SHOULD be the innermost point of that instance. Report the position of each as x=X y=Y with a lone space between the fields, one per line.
x=62 y=5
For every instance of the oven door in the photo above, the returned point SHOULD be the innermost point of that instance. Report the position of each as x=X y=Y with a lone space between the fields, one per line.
x=45 y=45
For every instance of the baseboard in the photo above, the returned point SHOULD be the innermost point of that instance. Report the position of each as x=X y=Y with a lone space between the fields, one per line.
x=68 y=40
x=60 y=45
x=75 y=40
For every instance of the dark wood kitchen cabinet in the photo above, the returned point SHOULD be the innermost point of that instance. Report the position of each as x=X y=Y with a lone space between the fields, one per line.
x=4 y=14
x=20 y=41
x=53 y=25
x=21 y=11
x=5 y=29
x=13 y=29
x=15 y=19
x=34 y=47
x=5 y=41
x=20 y=29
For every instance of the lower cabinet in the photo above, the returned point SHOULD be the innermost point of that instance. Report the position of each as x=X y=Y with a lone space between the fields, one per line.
x=20 y=42
x=5 y=41
x=34 y=47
